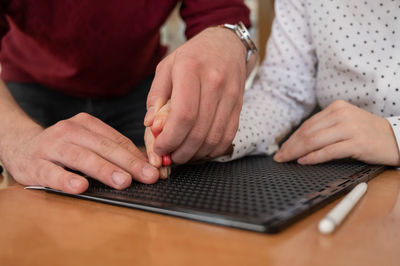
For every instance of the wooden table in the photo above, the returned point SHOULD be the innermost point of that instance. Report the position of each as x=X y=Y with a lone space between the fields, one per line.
x=38 y=228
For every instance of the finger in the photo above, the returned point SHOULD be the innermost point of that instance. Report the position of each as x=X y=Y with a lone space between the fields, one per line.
x=94 y=124
x=164 y=172
x=322 y=119
x=53 y=176
x=91 y=164
x=160 y=118
x=111 y=151
x=184 y=111
x=160 y=90
x=225 y=145
x=319 y=121
x=197 y=135
x=305 y=144
x=343 y=149
x=224 y=124
x=327 y=117
x=154 y=158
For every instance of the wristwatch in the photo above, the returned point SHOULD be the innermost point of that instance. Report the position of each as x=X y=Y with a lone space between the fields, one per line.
x=241 y=31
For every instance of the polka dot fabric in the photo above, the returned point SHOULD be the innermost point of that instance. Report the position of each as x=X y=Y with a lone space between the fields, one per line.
x=319 y=52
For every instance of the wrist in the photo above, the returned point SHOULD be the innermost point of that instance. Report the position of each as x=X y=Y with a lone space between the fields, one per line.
x=13 y=134
x=242 y=36
x=233 y=39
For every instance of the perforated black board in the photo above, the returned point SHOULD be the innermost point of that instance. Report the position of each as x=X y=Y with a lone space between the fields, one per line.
x=253 y=193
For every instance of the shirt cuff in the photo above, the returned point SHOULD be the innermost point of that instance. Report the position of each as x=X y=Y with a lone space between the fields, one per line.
x=250 y=138
x=395 y=123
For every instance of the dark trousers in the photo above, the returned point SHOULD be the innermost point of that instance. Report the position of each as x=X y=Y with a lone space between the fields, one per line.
x=47 y=107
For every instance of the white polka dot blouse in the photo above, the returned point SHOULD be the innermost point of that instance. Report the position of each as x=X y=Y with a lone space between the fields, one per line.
x=319 y=52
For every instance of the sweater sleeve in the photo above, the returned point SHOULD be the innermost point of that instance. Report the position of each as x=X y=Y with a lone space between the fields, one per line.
x=283 y=93
x=4 y=26
x=200 y=14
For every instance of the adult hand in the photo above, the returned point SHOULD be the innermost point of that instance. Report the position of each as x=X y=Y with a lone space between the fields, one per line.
x=82 y=143
x=339 y=131
x=204 y=78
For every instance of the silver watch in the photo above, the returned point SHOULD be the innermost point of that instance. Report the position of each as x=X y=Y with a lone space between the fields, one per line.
x=241 y=31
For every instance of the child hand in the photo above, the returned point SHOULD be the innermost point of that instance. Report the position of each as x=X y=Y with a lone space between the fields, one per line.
x=160 y=118
x=342 y=130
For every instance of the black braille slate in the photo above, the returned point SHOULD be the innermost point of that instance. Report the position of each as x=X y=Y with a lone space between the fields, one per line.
x=253 y=193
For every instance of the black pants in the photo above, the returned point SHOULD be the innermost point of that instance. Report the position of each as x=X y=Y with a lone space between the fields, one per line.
x=47 y=107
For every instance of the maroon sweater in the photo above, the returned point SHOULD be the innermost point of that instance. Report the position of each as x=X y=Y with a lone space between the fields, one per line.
x=96 y=48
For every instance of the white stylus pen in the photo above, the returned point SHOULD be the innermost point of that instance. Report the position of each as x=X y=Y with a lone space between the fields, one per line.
x=337 y=214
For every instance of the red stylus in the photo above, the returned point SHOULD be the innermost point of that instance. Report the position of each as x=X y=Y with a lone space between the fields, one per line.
x=165 y=159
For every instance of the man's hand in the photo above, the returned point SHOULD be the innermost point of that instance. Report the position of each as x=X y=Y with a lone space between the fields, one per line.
x=342 y=130
x=82 y=143
x=204 y=78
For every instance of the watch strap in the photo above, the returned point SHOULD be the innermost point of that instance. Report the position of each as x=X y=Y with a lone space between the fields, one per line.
x=241 y=31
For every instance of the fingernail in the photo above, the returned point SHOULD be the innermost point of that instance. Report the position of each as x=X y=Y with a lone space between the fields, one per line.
x=149 y=172
x=163 y=172
x=119 y=178
x=149 y=114
x=278 y=157
x=75 y=183
x=302 y=161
